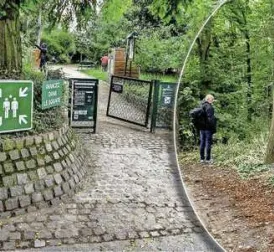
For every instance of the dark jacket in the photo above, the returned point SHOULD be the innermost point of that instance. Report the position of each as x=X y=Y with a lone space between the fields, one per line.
x=43 y=51
x=209 y=122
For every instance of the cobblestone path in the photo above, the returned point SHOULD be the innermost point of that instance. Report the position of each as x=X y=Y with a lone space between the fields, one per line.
x=131 y=199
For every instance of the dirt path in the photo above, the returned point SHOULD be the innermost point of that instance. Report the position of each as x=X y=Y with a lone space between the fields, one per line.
x=238 y=213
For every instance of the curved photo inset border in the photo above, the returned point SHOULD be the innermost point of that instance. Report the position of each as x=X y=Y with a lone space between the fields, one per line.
x=220 y=4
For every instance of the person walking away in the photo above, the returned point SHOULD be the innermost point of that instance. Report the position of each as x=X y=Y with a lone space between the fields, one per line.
x=104 y=63
x=207 y=129
x=43 y=55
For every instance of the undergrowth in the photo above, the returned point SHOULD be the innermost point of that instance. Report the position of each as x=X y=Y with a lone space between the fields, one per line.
x=246 y=156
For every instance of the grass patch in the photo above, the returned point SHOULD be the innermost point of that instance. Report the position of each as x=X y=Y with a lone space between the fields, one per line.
x=161 y=77
x=96 y=73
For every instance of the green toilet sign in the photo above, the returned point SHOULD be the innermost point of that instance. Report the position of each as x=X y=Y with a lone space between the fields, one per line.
x=16 y=105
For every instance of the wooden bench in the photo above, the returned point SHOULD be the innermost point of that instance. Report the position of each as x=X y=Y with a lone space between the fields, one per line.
x=86 y=64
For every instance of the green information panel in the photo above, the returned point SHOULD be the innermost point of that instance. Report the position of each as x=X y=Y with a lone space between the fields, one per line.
x=16 y=102
x=167 y=94
x=52 y=91
x=84 y=103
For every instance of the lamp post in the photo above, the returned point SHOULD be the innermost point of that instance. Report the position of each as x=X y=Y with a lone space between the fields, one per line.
x=130 y=51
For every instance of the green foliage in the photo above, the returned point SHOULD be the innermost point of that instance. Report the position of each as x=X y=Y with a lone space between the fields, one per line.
x=246 y=156
x=60 y=45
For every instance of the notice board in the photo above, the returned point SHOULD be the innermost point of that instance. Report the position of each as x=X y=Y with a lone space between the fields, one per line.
x=84 y=99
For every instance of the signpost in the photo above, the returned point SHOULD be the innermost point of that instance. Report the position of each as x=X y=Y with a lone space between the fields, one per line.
x=16 y=105
x=84 y=96
x=163 y=102
x=52 y=91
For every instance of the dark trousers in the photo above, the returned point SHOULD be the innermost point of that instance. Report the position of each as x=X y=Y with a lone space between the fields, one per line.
x=205 y=144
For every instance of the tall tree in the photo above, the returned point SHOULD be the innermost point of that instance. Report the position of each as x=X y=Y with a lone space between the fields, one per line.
x=10 y=41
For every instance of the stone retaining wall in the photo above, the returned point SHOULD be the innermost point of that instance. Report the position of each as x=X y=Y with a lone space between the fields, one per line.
x=38 y=171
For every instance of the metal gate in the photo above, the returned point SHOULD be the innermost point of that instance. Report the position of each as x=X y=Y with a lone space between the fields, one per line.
x=130 y=100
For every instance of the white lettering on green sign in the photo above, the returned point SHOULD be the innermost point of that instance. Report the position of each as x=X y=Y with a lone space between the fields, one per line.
x=51 y=93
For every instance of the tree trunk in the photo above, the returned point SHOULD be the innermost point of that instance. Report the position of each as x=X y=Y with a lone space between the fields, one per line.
x=248 y=77
x=39 y=30
x=10 y=44
x=204 y=43
x=269 y=158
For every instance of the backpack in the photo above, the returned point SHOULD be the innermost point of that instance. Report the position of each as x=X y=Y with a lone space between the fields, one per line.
x=197 y=116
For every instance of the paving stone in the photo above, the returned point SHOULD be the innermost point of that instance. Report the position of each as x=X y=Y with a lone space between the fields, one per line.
x=23 y=244
x=24 y=200
x=60 y=142
x=16 y=191
x=25 y=153
x=3 y=156
x=85 y=232
x=49 y=169
x=8 y=167
x=55 y=145
x=48 y=159
x=14 y=154
x=58 y=179
x=1 y=170
x=3 y=193
x=41 y=173
x=20 y=165
x=48 y=194
x=49 y=181
x=57 y=167
x=57 y=190
x=22 y=178
x=19 y=211
x=30 y=164
x=65 y=175
x=31 y=209
x=8 y=144
x=56 y=156
x=11 y=203
x=40 y=161
x=1 y=206
x=48 y=147
x=15 y=236
x=19 y=143
x=64 y=163
x=66 y=233
x=51 y=136
x=38 y=140
x=29 y=141
x=66 y=187
x=45 y=234
x=33 y=175
x=33 y=151
x=39 y=243
x=9 y=245
x=95 y=239
x=29 y=235
x=42 y=150
x=121 y=235
x=99 y=230
x=29 y=188
x=108 y=237
x=37 y=197
x=76 y=179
